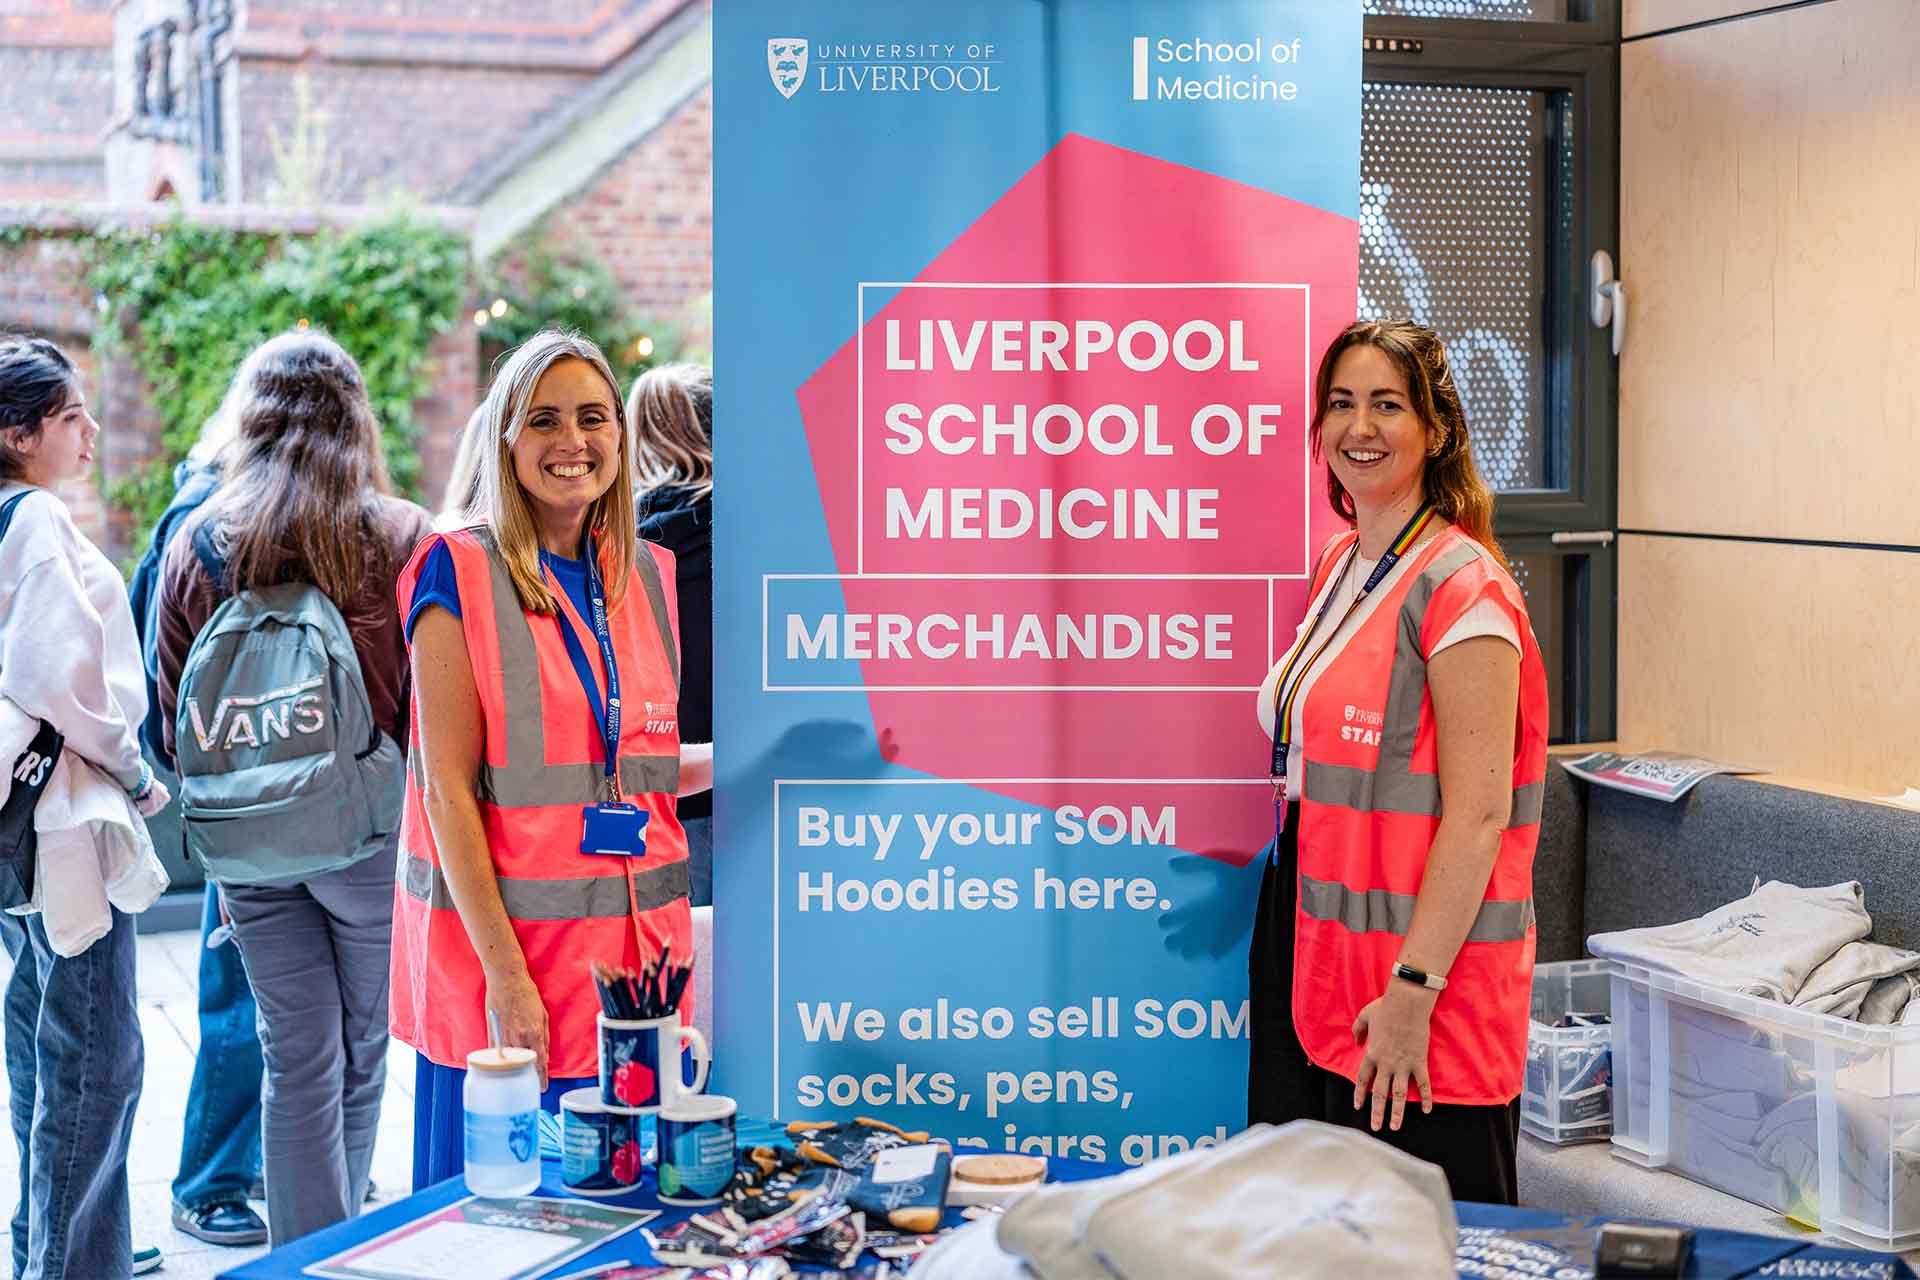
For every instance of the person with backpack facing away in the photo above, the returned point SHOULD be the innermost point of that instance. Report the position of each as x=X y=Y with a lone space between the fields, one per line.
x=284 y=686
x=671 y=409
x=539 y=832
x=68 y=656
x=220 y=1139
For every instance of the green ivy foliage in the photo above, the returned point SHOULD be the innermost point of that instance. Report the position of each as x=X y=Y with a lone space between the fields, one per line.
x=558 y=289
x=187 y=302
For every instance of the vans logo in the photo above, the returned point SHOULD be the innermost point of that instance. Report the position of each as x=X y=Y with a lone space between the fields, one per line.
x=254 y=722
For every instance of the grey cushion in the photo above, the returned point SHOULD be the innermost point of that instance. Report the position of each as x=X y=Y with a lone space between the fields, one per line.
x=1560 y=868
x=1650 y=863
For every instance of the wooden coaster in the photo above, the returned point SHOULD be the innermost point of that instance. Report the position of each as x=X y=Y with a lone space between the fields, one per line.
x=998 y=1171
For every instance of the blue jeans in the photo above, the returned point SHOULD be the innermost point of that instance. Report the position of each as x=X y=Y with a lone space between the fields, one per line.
x=220 y=1150
x=75 y=1062
x=699 y=861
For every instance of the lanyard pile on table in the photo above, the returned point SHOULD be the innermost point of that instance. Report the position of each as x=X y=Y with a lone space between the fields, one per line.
x=816 y=1204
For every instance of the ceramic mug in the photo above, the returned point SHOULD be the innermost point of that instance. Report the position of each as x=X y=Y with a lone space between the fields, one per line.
x=640 y=1061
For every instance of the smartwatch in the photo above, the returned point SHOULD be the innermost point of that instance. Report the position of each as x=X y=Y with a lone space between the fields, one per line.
x=1419 y=977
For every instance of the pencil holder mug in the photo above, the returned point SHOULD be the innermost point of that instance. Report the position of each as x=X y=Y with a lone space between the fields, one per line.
x=640 y=1061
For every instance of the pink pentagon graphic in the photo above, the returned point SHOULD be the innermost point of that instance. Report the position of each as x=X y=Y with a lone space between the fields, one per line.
x=1090 y=214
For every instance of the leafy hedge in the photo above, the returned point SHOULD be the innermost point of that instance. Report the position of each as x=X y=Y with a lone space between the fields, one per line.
x=187 y=302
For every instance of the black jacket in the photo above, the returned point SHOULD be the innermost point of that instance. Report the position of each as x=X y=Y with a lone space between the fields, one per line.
x=673 y=517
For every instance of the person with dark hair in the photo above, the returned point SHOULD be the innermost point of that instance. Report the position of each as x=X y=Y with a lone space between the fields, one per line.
x=220 y=1139
x=1392 y=956
x=671 y=409
x=68 y=656
x=303 y=503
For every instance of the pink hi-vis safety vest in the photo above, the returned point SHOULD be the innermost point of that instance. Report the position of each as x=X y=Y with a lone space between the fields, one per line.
x=545 y=759
x=1370 y=806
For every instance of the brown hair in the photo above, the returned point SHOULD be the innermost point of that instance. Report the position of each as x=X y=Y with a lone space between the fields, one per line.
x=1453 y=483
x=502 y=505
x=304 y=471
x=36 y=381
x=671 y=408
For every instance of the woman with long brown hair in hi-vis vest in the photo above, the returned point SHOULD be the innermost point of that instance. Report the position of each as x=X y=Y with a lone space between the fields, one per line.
x=546 y=683
x=1392 y=958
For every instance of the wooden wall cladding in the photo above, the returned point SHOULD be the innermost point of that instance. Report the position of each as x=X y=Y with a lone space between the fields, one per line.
x=1644 y=17
x=1769 y=178
x=1802 y=660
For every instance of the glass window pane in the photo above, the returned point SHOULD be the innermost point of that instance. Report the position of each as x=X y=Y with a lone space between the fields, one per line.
x=1457 y=210
x=1497 y=10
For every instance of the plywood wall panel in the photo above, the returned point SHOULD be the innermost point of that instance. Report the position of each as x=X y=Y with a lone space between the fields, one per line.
x=1803 y=660
x=1771 y=249
x=1643 y=17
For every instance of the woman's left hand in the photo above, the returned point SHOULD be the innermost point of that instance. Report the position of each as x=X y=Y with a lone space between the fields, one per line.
x=1394 y=1029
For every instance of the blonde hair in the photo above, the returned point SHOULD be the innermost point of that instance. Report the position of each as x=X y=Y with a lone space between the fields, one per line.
x=219 y=431
x=463 y=480
x=501 y=503
x=671 y=408
x=1452 y=481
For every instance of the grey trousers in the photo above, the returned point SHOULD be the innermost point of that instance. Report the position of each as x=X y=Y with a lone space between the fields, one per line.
x=316 y=955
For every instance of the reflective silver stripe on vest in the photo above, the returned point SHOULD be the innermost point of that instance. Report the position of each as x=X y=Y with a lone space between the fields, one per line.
x=584 y=898
x=1381 y=911
x=526 y=781
x=1392 y=786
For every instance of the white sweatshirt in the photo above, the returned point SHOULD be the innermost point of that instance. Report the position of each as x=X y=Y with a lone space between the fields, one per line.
x=68 y=651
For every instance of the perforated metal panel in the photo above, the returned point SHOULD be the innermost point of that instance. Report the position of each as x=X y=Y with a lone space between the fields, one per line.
x=1499 y=10
x=1457 y=207
x=1544 y=578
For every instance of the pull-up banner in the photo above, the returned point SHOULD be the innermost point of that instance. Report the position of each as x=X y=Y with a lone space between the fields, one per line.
x=1017 y=306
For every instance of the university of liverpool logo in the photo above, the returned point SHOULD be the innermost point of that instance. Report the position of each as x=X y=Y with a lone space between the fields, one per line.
x=787 y=64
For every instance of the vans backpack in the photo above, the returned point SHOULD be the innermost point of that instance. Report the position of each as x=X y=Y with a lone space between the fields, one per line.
x=283 y=772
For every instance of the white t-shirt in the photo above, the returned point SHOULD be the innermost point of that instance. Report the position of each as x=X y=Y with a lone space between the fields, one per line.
x=1485 y=618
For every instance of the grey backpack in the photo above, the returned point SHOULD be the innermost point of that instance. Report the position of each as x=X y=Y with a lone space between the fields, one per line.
x=283 y=772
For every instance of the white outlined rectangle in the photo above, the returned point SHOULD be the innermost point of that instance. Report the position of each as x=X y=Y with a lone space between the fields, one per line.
x=766 y=619
x=860 y=390
x=774 y=950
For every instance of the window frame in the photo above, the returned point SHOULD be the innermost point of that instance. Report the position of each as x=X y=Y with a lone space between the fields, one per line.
x=1579 y=57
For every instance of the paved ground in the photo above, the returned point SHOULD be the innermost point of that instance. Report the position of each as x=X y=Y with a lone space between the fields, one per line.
x=168 y=967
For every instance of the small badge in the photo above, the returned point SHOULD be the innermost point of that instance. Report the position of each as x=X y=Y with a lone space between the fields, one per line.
x=616 y=830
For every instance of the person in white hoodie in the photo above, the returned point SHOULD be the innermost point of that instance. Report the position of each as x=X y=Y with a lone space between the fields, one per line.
x=68 y=656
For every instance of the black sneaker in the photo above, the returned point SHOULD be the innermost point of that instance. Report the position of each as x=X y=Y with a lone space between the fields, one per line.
x=145 y=1260
x=228 y=1222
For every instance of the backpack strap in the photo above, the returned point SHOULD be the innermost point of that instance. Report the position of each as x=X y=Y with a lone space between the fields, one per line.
x=209 y=557
x=6 y=510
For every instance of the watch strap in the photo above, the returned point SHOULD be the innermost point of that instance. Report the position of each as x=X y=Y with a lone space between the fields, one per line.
x=1419 y=977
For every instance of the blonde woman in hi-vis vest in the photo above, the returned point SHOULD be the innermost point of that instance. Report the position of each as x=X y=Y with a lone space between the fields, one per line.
x=545 y=699
x=1392 y=955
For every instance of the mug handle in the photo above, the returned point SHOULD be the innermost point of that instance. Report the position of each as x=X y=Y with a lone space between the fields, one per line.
x=702 y=1060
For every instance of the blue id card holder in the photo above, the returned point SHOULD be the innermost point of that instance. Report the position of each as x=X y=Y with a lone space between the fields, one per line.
x=617 y=830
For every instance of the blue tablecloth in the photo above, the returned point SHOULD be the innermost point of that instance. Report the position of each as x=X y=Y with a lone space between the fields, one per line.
x=1493 y=1238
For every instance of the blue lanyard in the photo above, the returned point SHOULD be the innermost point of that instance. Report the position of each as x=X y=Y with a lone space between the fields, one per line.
x=1283 y=697
x=607 y=719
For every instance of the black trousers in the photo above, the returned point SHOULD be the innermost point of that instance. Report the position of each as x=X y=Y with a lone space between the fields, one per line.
x=1475 y=1146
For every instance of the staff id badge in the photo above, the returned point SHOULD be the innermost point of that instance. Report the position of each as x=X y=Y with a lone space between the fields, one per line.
x=617 y=830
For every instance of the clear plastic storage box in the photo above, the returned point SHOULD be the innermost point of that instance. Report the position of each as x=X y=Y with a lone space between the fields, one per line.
x=1566 y=1098
x=1811 y=1115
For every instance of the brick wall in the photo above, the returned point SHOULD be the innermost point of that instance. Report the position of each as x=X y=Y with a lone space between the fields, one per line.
x=649 y=216
x=55 y=98
x=41 y=292
x=388 y=128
